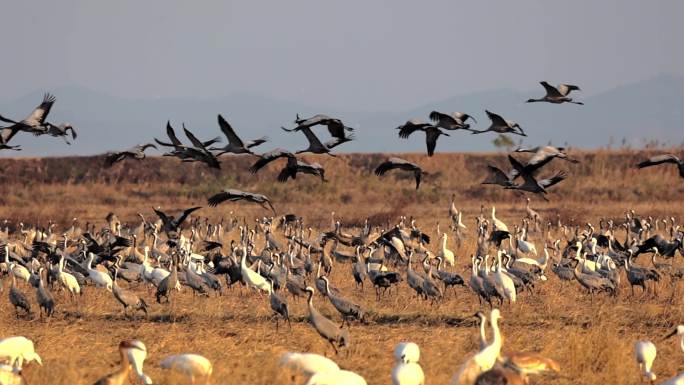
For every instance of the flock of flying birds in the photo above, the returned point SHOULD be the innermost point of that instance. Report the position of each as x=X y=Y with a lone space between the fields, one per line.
x=208 y=152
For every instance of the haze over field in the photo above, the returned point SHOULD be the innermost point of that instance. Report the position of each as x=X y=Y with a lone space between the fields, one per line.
x=119 y=75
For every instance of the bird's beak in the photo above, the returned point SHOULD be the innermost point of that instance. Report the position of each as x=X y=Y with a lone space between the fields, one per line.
x=670 y=335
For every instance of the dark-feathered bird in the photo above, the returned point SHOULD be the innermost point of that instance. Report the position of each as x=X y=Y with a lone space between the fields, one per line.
x=235 y=144
x=662 y=159
x=295 y=166
x=432 y=133
x=453 y=121
x=233 y=195
x=171 y=224
x=137 y=152
x=554 y=94
x=501 y=125
x=335 y=126
x=401 y=164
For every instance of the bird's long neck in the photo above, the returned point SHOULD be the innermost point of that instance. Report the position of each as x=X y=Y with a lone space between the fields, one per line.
x=496 y=342
x=483 y=332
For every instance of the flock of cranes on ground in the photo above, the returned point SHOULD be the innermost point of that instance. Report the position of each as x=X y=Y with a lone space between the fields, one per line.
x=281 y=257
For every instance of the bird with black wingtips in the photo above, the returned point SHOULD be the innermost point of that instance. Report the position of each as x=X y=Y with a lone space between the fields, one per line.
x=235 y=144
x=663 y=159
x=335 y=126
x=453 y=121
x=233 y=195
x=315 y=145
x=295 y=166
x=201 y=152
x=269 y=157
x=35 y=122
x=554 y=94
x=432 y=133
x=137 y=152
x=401 y=164
x=171 y=224
x=501 y=125
x=531 y=184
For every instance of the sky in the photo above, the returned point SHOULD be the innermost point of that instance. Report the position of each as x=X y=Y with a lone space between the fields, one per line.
x=361 y=55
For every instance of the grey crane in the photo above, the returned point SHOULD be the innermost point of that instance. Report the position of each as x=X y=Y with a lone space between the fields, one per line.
x=401 y=164
x=662 y=159
x=452 y=121
x=543 y=155
x=432 y=133
x=592 y=282
x=315 y=145
x=295 y=166
x=269 y=157
x=476 y=282
x=530 y=183
x=137 y=152
x=638 y=276
x=46 y=301
x=325 y=327
x=34 y=123
x=555 y=95
x=61 y=131
x=126 y=298
x=16 y=297
x=195 y=282
x=180 y=150
x=336 y=128
x=449 y=279
x=346 y=308
x=430 y=287
x=171 y=224
x=279 y=307
x=201 y=152
x=233 y=195
x=235 y=144
x=501 y=125
x=169 y=282
x=414 y=280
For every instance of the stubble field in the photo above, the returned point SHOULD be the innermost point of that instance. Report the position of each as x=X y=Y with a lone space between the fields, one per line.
x=592 y=341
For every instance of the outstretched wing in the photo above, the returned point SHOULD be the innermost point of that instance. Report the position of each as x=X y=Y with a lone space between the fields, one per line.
x=228 y=131
x=556 y=178
x=659 y=159
x=551 y=90
x=185 y=214
x=496 y=176
x=41 y=112
x=496 y=119
x=172 y=135
x=269 y=157
x=193 y=139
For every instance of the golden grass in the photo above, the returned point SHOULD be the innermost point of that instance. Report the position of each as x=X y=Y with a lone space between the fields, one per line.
x=591 y=341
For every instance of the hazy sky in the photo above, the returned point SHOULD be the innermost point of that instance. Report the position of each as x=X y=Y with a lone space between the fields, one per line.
x=350 y=54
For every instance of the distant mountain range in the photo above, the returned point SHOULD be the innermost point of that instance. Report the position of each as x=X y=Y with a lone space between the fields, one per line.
x=637 y=112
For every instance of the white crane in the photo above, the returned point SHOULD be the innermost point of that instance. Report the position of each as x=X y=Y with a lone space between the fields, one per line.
x=525 y=246
x=101 y=279
x=68 y=281
x=252 y=278
x=498 y=224
x=484 y=359
x=645 y=352
x=190 y=365
x=18 y=350
x=308 y=363
x=340 y=377
x=136 y=351
x=407 y=371
x=445 y=253
x=17 y=270
x=504 y=280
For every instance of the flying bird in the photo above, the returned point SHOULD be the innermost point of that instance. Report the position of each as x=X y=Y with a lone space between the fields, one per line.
x=269 y=157
x=335 y=126
x=554 y=94
x=530 y=183
x=34 y=123
x=235 y=144
x=295 y=166
x=171 y=224
x=432 y=133
x=453 y=121
x=137 y=152
x=401 y=164
x=662 y=159
x=501 y=125
x=232 y=195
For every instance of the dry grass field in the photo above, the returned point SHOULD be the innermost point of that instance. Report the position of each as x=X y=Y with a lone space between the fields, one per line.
x=592 y=341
